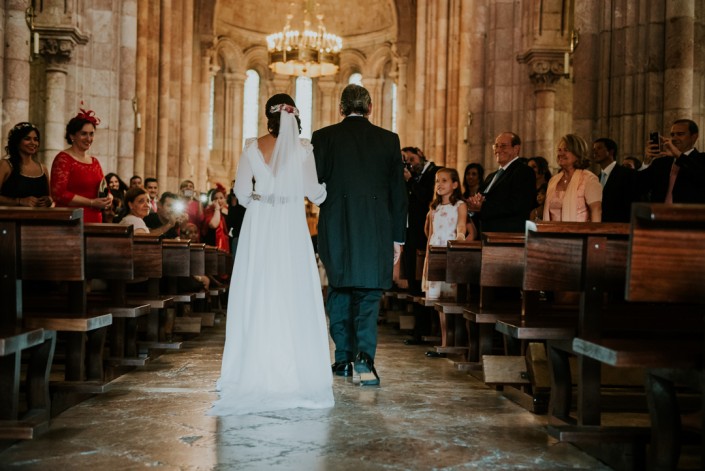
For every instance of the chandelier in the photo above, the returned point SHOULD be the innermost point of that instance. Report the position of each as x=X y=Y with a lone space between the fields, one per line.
x=308 y=53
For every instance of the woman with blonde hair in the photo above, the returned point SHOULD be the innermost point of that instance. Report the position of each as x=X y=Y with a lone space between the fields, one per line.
x=574 y=194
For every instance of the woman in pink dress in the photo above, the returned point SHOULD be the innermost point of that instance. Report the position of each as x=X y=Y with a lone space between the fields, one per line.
x=574 y=194
x=76 y=177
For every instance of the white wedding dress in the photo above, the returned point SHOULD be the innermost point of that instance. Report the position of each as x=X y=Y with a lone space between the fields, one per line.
x=276 y=352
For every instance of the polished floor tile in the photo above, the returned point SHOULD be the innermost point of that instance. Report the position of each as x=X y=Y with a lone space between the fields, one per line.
x=425 y=416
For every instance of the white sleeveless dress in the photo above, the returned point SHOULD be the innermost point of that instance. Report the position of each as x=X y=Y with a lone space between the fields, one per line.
x=276 y=352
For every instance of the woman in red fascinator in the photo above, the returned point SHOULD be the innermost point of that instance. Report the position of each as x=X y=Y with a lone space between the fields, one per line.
x=76 y=176
x=214 y=230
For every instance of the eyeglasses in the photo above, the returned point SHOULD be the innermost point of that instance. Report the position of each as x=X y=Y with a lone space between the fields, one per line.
x=501 y=146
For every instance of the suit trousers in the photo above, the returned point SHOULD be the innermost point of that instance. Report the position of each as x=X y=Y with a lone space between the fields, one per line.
x=353 y=316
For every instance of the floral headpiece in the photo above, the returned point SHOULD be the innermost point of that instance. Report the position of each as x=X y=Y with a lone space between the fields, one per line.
x=19 y=126
x=284 y=107
x=88 y=115
x=220 y=188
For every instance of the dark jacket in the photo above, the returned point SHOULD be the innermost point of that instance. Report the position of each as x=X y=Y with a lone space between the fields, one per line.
x=509 y=201
x=365 y=210
x=690 y=183
x=420 y=193
x=618 y=194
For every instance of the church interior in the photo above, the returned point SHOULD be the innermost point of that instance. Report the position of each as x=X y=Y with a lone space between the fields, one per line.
x=180 y=85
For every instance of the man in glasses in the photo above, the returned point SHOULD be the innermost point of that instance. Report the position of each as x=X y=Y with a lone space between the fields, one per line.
x=508 y=195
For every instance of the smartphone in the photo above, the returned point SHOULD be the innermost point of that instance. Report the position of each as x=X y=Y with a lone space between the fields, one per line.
x=654 y=138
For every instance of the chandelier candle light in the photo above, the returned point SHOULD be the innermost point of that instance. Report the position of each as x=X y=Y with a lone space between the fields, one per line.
x=311 y=53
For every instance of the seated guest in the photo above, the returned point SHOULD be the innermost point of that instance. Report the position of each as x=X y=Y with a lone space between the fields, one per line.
x=167 y=218
x=190 y=232
x=193 y=207
x=24 y=181
x=214 y=230
x=116 y=185
x=152 y=187
x=537 y=212
x=136 y=181
x=574 y=194
x=136 y=209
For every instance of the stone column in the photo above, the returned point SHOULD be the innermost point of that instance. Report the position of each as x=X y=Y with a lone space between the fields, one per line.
x=439 y=98
x=55 y=109
x=128 y=53
x=678 y=75
x=164 y=83
x=402 y=64
x=188 y=148
x=328 y=109
x=232 y=121
x=207 y=71
x=374 y=86
x=417 y=123
x=141 y=72
x=546 y=67
x=15 y=73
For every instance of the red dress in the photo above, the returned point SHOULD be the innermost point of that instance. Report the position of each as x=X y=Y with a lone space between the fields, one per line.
x=218 y=236
x=69 y=178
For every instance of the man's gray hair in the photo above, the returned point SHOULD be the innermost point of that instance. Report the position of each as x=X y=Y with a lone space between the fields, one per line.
x=355 y=99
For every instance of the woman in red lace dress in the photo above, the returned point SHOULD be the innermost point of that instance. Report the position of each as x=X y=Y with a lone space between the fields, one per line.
x=76 y=177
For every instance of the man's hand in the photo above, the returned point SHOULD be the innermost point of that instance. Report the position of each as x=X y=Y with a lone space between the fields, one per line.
x=407 y=174
x=397 y=252
x=475 y=202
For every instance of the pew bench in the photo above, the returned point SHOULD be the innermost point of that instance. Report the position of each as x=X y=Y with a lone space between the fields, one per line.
x=670 y=238
x=38 y=345
x=46 y=245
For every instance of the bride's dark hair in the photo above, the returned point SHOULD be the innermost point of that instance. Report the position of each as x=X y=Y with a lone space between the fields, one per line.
x=273 y=118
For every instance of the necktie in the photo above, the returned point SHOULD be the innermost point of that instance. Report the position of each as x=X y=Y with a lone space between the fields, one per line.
x=603 y=178
x=494 y=180
x=671 y=182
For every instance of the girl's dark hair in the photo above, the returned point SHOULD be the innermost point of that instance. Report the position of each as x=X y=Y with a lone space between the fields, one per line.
x=122 y=186
x=456 y=195
x=480 y=174
x=541 y=166
x=18 y=132
x=273 y=119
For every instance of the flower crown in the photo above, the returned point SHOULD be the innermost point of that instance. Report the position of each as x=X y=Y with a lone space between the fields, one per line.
x=284 y=107
x=88 y=115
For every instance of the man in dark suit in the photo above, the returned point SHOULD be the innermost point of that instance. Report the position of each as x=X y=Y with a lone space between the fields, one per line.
x=361 y=227
x=618 y=182
x=420 y=176
x=677 y=172
x=508 y=195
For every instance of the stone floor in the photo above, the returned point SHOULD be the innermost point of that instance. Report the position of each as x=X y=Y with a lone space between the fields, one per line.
x=425 y=416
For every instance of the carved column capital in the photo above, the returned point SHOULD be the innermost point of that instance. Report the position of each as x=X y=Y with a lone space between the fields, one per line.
x=56 y=44
x=546 y=66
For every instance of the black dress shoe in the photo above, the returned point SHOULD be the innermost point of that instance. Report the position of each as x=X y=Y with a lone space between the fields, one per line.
x=434 y=354
x=365 y=372
x=342 y=368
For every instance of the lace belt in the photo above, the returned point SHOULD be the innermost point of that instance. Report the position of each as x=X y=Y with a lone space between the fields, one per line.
x=271 y=199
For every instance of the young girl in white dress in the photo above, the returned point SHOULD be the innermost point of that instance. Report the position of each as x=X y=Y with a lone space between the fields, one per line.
x=276 y=352
x=445 y=221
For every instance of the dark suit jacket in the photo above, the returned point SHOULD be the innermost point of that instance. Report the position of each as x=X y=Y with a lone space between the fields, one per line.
x=420 y=196
x=690 y=183
x=365 y=210
x=618 y=194
x=509 y=201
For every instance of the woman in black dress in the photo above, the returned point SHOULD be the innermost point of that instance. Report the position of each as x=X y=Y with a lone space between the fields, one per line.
x=24 y=181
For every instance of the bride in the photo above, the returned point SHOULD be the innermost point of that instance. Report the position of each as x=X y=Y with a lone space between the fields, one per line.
x=276 y=346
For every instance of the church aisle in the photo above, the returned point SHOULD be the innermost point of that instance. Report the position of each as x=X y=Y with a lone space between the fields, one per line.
x=425 y=416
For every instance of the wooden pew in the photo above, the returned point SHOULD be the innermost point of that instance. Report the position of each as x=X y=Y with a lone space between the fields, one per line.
x=666 y=264
x=501 y=274
x=47 y=244
x=110 y=257
x=177 y=263
x=149 y=266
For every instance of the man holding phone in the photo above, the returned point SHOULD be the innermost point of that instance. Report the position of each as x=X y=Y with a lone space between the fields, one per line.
x=677 y=171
